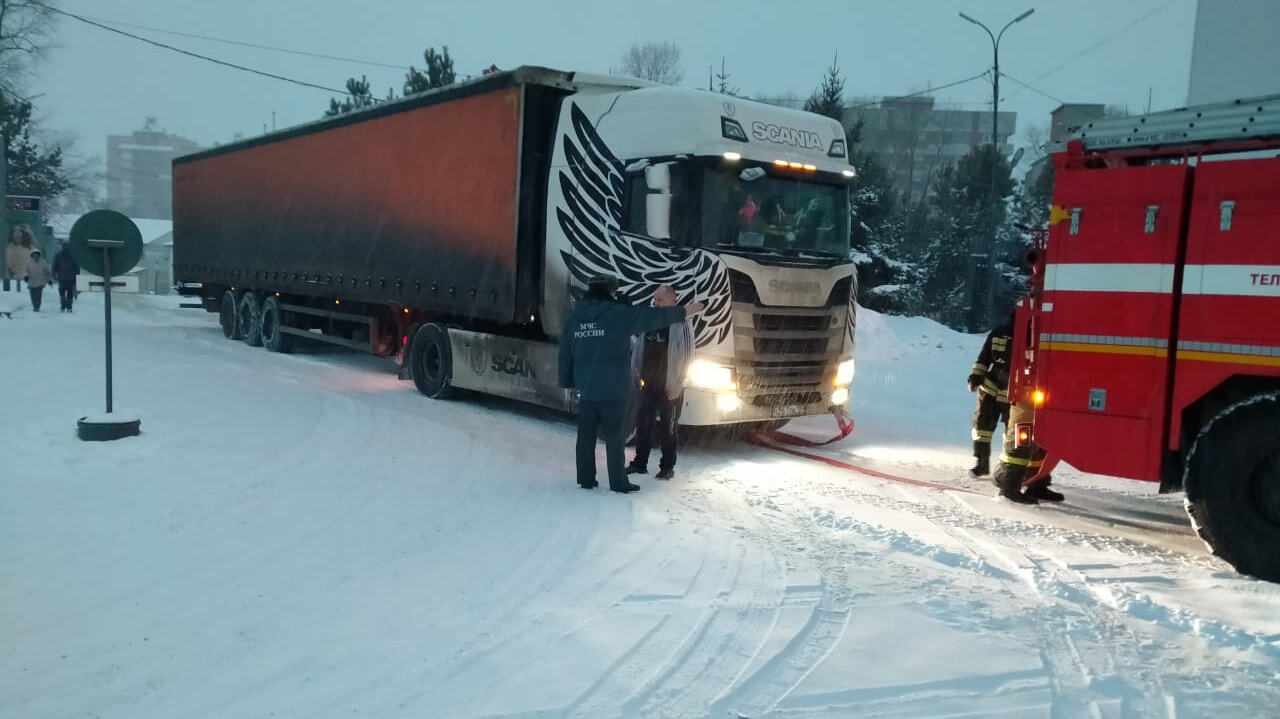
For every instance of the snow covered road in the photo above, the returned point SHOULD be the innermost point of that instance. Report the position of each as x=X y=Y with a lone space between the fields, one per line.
x=307 y=536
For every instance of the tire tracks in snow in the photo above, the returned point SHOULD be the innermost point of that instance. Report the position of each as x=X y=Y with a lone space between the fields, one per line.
x=782 y=673
x=1095 y=658
x=708 y=638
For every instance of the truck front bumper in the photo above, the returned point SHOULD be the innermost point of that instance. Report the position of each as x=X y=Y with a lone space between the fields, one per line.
x=706 y=407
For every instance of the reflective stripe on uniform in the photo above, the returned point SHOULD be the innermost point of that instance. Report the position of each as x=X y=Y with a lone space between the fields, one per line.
x=1020 y=462
x=982 y=436
x=979 y=369
x=1000 y=393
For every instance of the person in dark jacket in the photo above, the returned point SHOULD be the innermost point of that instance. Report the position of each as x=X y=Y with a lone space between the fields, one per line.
x=660 y=361
x=65 y=269
x=990 y=379
x=595 y=359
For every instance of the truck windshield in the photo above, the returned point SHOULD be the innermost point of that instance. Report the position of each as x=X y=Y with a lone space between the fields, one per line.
x=751 y=209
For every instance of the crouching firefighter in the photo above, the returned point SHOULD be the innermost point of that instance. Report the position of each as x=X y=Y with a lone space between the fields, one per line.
x=990 y=379
x=1023 y=458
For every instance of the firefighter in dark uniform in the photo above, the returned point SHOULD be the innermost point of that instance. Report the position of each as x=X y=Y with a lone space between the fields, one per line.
x=990 y=379
x=1021 y=458
x=595 y=359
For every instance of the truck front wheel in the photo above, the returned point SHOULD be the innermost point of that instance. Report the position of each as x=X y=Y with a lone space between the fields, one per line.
x=431 y=361
x=1233 y=485
x=251 y=319
x=229 y=317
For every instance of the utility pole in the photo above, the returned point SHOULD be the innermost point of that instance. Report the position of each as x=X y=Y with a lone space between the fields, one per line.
x=995 y=154
x=4 y=162
x=4 y=180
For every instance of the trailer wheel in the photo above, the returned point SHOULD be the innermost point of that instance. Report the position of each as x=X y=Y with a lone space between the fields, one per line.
x=251 y=319
x=1232 y=479
x=273 y=337
x=229 y=317
x=431 y=361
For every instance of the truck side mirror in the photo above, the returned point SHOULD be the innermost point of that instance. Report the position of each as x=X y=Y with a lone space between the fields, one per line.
x=657 y=180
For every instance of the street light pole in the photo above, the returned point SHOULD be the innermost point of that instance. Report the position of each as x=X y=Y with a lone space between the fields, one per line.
x=995 y=144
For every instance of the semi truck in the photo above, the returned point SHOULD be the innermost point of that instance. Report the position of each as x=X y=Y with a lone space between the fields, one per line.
x=1150 y=341
x=452 y=229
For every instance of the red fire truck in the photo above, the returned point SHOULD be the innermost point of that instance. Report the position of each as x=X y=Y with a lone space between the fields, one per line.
x=1151 y=336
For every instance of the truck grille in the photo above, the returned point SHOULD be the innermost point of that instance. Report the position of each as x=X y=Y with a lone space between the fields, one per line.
x=775 y=400
x=793 y=351
x=776 y=323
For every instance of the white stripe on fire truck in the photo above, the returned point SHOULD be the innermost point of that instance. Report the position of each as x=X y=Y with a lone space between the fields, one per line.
x=1227 y=280
x=1237 y=280
x=1109 y=277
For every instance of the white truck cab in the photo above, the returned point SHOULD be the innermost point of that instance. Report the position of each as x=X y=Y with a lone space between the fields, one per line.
x=735 y=203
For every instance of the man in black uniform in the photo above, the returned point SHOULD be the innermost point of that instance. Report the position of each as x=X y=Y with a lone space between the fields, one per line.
x=990 y=379
x=661 y=360
x=595 y=359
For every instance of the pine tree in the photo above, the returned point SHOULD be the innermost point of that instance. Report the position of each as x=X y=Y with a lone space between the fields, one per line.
x=828 y=99
x=438 y=72
x=33 y=170
x=358 y=97
x=722 y=85
x=970 y=205
x=885 y=283
x=873 y=199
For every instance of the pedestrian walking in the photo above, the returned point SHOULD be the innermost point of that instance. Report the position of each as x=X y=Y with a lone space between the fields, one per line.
x=661 y=361
x=65 y=270
x=595 y=360
x=16 y=255
x=38 y=275
x=989 y=378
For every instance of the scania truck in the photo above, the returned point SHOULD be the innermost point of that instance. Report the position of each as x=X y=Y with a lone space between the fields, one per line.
x=453 y=228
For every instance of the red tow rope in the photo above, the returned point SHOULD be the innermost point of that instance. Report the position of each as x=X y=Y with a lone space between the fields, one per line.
x=774 y=440
x=842 y=419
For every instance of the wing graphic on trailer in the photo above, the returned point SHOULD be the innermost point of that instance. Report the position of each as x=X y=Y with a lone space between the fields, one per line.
x=591 y=217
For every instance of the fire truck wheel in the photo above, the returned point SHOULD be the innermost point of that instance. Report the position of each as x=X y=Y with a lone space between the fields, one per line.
x=1233 y=485
x=431 y=361
x=273 y=337
x=229 y=317
x=250 y=319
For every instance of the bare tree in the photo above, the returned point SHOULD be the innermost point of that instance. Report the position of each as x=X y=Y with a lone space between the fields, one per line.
x=26 y=31
x=87 y=175
x=655 y=61
x=1036 y=140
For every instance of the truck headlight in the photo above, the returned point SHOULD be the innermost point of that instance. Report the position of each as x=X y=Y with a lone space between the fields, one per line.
x=706 y=374
x=728 y=402
x=844 y=373
x=840 y=396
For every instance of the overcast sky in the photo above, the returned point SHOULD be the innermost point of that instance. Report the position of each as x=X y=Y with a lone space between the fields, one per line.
x=96 y=83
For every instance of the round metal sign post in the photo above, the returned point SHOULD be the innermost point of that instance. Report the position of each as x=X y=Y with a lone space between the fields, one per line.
x=106 y=243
